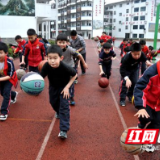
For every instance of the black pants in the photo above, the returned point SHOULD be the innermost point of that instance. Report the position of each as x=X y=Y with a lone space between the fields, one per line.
x=61 y=106
x=134 y=76
x=82 y=68
x=154 y=119
x=143 y=67
x=25 y=60
x=107 y=69
x=5 y=88
x=33 y=69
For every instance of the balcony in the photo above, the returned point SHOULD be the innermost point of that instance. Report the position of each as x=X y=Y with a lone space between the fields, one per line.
x=107 y=23
x=86 y=8
x=65 y=13
x=86 y=27
x=59 y=14
x=68 y=20
x=86 y=18
x=59 y=22
x=78 y=19
x=65 y=21
x=73 y=11
x=73 y=19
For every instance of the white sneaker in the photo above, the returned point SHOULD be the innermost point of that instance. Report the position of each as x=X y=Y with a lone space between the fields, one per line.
x=15 y=99
x=150 y=148
x=62 y=135
x=3 y=117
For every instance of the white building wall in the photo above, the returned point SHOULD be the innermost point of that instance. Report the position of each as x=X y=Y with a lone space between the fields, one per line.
x=16 y=25
x=149 y=18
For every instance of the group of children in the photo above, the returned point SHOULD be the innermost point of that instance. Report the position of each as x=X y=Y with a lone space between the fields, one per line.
x=59 y=69
x=146 y=90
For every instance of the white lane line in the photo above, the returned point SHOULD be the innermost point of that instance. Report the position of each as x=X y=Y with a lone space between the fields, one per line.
x=118 y=109
x=44 y=144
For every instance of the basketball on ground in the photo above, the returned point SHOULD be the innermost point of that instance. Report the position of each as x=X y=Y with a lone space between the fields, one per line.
x=41 y=64
x=20 y=73
x=133 y=149
x=32 y=83
x=103 y=82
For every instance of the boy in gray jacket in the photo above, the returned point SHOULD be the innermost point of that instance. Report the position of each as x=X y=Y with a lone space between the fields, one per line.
x=68 y=53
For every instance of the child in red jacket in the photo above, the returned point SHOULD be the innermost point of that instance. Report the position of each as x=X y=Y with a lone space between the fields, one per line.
x=8 y=78
x=35 y=51
x=21 y=43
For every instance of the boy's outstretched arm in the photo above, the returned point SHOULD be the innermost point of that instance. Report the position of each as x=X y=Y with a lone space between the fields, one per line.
x=65 y=91
x=141 y=89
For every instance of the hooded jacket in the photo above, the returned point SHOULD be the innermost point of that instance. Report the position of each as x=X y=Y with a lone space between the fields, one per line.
x=147 y=89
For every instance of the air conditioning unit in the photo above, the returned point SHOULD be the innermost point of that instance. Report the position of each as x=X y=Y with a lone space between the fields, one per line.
x=145 y=22
x=146 y=13
x=146 y=3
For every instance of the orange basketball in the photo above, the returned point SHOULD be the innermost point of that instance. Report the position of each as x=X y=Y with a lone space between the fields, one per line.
x=41 y=64
x=103 y=82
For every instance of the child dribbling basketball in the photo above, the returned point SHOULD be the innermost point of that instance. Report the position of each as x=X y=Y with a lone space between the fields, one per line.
x=105 y=60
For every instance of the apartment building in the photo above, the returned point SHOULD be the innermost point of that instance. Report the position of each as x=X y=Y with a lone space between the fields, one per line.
x=75 y=15
x=131 y=19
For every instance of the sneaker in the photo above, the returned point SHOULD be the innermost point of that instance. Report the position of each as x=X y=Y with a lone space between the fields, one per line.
x=130 y=99
x=150 y=148
x=62 y=134
x=3 y=117
x=122 y=103
x=75 y=81
x=15 y=99
x=83 y=73
x=72 y=102
x=56 y=115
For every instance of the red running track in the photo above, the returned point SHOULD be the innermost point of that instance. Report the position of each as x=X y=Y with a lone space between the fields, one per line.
x=96 y=125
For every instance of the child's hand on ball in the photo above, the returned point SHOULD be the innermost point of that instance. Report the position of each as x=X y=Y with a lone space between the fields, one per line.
x=143 y=113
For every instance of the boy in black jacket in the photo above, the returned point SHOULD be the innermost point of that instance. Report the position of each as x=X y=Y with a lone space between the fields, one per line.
x=105 y=60
x=59 y=75
x=129 y=71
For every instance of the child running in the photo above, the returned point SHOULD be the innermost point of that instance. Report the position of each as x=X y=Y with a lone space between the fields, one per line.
x=59 y=75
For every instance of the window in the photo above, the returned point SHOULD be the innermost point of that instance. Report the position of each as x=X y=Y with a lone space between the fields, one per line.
x=120 y=14
x=143 y=8
x=114 y=20
x=111 y=7
x=127 y=18
x=141 y=27
x=143 y=0
x=114 y=5
x=128 y=3
x=141 y=35
x=127 y=10
x=114 y=12
x=135 y=18
x=126 y=27
x=134 y=35
x=135 y=26
x=120 y=22
x=142 y=17
x=119 y=30
x=137 y=1
x=120 y=5
x=136 y=9
x=110 y=20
